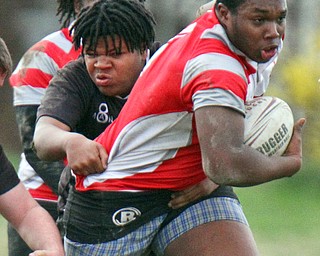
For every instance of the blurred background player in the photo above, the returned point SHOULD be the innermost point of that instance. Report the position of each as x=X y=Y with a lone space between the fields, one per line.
x=31 y=221
x=30 y=80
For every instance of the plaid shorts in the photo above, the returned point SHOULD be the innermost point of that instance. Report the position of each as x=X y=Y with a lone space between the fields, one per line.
x=153 y=236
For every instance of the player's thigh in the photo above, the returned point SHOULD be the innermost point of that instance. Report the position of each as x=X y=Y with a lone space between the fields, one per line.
x=221 y=238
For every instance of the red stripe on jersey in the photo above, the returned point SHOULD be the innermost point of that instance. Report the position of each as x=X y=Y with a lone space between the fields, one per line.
x=43 y=192
x=171 y=90
x=57 y=54
x=47 y=56
x=220 y=79
x=57 y=57
x=187 y=164
x=31 y=76
x=67 y=34
x=218 y=46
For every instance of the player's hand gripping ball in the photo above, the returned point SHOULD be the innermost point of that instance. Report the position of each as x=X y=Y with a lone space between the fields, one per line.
x=268 y=125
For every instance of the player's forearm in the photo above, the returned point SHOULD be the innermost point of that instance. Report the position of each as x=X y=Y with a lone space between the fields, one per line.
x=50 y=139
x=53 y=140
x=228 y=161
x=40 y=232
x=246 y=166
x=249 y=167
x=33 y=223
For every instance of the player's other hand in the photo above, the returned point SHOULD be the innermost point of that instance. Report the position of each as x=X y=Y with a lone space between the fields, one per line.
x=193 y=193
x=86 y=156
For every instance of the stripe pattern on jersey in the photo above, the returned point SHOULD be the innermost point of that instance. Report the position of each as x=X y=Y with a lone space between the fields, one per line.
x=39 y=64
x=30 y=80
x=205 y=69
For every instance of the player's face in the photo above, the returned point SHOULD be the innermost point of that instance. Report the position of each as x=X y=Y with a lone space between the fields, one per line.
x=114 y=70
x=257 y=27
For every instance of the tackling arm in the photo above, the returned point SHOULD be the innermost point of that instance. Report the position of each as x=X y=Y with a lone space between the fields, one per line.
x=53 y=140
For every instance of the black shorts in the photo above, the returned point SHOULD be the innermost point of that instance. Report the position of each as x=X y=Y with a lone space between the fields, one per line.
x=95 y=217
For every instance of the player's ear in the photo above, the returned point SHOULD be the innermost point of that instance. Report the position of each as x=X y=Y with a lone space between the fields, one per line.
x=144 y=52
x=224 y=14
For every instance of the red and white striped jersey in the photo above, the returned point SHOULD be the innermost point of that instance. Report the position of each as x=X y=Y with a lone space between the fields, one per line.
x=29 y=81
x=153 y=143
x=39 y=64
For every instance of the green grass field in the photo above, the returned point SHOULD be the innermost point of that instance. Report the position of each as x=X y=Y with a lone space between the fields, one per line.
x=283 y=214
x=284 y=217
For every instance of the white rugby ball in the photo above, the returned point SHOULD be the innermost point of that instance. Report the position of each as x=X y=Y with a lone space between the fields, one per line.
x=268 y=125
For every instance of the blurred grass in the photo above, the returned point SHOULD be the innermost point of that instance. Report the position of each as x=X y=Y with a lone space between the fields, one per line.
x=283 y=214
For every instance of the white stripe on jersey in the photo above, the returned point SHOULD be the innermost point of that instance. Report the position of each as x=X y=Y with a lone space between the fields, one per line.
x=27 y=95
x=27 y=175
x=218 y=97
x=62 y=43
x=258 y=81
x=38 y=60
x=211 y=61
x=130 y=155
x=218 y=32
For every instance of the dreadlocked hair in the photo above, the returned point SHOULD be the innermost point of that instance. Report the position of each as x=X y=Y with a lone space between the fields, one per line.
x=231 y=4
x=127 y=19
x=66 y=11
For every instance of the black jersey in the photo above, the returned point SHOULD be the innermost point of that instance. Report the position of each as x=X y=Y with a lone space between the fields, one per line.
x=8 y=176
x=73 y=98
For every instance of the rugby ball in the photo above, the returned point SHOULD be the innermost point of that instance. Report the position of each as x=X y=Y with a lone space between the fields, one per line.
x=268 y=125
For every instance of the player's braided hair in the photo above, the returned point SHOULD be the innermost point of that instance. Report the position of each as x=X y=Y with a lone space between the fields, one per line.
x=128 y=19
x=66 y=11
